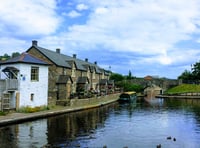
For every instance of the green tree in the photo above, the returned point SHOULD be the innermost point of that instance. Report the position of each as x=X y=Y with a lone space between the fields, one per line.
x=196 y=70
x=186 y=75
x=15 y=54
x=5 y=57
x=129 y=77
x=116 y=77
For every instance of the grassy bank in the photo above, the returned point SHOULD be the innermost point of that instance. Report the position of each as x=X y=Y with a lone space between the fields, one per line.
x=183 y=88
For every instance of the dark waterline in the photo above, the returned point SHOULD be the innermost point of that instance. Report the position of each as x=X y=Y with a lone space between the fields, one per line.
x=171 y=123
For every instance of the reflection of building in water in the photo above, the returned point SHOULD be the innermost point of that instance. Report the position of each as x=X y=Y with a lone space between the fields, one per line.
x=8 y=136
x=69 y=126
x=151 y=91
x=24 y=135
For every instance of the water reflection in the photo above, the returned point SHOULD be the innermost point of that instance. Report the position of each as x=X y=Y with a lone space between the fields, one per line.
x=64 y=130
x=30 y=134
x=144 y=124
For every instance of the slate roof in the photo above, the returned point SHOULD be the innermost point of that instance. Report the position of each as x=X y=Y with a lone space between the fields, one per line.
x=103 y=81
x=66 y=61
x=82 y=80
x=25 y=58
x=63 y=79
x=111 y=82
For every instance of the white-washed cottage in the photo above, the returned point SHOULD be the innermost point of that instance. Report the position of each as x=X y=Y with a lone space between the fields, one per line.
x=24 y=82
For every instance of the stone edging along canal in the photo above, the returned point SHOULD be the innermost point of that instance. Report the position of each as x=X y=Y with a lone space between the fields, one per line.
x=178 y=96
x=14 y=118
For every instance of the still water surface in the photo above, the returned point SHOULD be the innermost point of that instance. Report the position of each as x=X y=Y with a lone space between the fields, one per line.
x=141 y=125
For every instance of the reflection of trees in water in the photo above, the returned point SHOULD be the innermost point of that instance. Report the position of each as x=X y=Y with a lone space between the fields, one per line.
x=66 y=128
x=192 y=105
x=172 y=102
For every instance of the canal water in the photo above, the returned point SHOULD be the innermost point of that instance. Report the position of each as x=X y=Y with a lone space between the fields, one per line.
x=170 y=123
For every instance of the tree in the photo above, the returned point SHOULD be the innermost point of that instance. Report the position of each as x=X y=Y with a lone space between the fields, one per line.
x=15 y=54
x=196 y=70
x=5 y=57
x=116 y=77
x=129 y=77
x=186 y=75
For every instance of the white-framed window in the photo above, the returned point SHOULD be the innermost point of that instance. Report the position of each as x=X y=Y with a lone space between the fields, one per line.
x=34 y=73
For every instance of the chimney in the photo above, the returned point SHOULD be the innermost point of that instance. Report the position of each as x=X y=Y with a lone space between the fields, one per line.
x=74 y=56
x=57 y=50
x=34 y=43
x=86 y=59
x=95 y=62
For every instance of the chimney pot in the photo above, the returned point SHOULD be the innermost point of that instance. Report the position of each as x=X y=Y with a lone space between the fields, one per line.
x=95 y=62
x=34 y=43
x=86 y=59
x=58 y=50
x=74 y=56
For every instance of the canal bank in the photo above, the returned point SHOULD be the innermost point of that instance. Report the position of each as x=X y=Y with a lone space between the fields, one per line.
x=76 y=105
x=179 y=96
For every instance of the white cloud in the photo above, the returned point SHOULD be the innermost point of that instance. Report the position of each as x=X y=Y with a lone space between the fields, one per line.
x=81 y=7
x=145 y=27
x=150 y=29
x=15 y=45
x=33 y=17
x=73 y=14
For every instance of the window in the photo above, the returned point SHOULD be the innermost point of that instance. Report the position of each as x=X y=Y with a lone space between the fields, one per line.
x=34 y=73
x=32 y=97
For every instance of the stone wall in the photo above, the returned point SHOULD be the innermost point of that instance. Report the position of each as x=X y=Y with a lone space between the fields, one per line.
x=94 y=100
x=163 y=83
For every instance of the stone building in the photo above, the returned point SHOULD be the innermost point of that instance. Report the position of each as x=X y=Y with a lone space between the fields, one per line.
x=68 y=75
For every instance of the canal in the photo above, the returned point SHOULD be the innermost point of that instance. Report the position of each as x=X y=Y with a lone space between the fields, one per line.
x=170 y=123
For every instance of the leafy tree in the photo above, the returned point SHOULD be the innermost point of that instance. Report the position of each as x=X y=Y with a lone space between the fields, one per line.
x=5 y=57
x=15 y=54
x=116 y=77
x=196 y=70
x=129 y=77
x=186 y=75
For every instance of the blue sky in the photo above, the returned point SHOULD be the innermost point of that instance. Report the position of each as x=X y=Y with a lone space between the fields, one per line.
x=148 y=37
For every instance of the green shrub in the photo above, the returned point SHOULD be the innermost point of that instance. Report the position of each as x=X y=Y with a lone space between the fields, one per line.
x=28 y=109
x=2 y=113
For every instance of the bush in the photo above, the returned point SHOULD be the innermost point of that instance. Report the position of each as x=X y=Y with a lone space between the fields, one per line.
x=127 y=86
x=2 y=113
x=28 y=109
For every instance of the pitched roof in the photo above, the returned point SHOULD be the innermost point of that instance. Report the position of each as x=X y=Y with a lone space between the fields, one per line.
x=63 y=79
x=111 y=82
x=103 y=81
x=82 y=80
x=25 y=58
x=66 y=61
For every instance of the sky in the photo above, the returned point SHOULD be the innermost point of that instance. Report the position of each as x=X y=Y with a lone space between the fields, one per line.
x=146 y=37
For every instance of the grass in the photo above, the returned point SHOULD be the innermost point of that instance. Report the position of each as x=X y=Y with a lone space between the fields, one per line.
x=28 y=109
x=184 y=88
